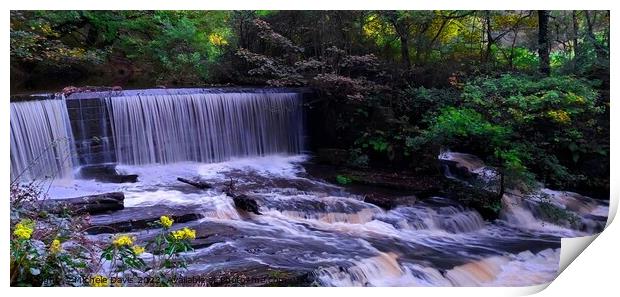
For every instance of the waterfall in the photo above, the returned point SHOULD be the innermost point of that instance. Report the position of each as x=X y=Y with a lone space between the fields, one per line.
x=204 y=127
x=41 y=140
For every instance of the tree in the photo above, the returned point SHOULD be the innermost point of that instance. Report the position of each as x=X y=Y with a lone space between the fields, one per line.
x=543 y=42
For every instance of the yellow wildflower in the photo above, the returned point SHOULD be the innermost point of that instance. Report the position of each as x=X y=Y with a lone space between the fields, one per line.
x=99 y=281
x=24 y=229
x=55 y=246
x=559 y=116
x=166 y=221
x=123 y=240
x=138 y=250
x=184 y=233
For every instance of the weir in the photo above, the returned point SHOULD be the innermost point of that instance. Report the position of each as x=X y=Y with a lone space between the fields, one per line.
x=204 y=127
x=152 y=126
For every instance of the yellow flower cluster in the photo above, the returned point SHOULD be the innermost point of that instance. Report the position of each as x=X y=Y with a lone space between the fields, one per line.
x=217 y=39
x=138 y=250
x=123 y=240
x=24 y=229
x=166 y=221
x=55 y=246
x=99 y=281
x=184 y=233
x=559 y=116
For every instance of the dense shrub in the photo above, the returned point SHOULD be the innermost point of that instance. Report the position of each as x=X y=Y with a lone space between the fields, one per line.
x=536 y=125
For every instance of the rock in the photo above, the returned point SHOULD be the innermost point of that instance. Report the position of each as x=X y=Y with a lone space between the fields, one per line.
x=244 y=202
x=106 y=173
x=477 y=198
x=93 y=204
x=470 y=169
x=252 y=274
x=567 y=209
x=389 y=202
x=468 y=180
x=414 y=184
x=207 y=233
x=136 y=218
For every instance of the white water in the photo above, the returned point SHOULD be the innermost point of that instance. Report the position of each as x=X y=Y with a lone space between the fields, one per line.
x=307 y=224
x=310 y=224
x=41 y=140
x=204 y=127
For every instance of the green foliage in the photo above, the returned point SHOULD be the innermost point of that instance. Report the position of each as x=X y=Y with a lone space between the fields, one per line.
x=172 y=46
x=524 y=124
x=462 y=123
x=46 y=249
x=52 y=250
x=166 y=248
x=343 y=180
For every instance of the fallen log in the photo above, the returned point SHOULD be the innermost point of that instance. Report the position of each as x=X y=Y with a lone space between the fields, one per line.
x=92 y=204
x=196 y=183
x=244 y=202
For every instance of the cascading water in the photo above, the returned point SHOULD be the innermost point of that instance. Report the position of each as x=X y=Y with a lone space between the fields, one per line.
x=310 y=226
x=41 y=140
x=307 y=225
x=204 y=127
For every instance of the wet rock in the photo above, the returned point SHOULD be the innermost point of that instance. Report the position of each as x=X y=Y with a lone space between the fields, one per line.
x=567 y=209
x=106 y=173
x=469 y=169
x=409 y=183
x=389 y=202
x=244 y=202
x=136 y=218
x=207 y=234
x=468 y=180
x=258 y=275
x=92 y=204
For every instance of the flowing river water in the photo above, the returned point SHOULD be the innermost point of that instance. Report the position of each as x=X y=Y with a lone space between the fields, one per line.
x=310 y=225
x=307 y=225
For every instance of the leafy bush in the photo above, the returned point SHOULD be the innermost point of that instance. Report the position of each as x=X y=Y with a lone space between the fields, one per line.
x=525 y=124
x=46 y=249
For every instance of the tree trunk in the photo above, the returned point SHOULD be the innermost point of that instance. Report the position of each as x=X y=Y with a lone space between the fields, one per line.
x=543 y=42
x=196 y=183
x=590 y=20
x=575 y=39
x=489 y=33
x=404 y=51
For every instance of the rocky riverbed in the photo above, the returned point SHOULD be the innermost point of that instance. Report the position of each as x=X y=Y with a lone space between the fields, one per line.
x=312 y=231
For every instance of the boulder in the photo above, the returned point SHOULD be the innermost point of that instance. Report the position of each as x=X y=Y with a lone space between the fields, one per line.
x=106 y=173
x=244 y=202
x=92 y=204
x=469 y=169
x=137 y=218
